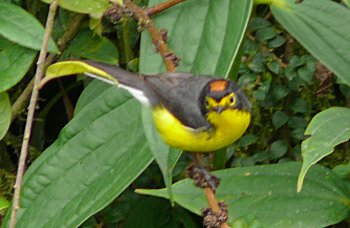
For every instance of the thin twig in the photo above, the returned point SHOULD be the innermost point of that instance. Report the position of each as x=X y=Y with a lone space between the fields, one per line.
x=162 y=6
x=75 y=21
x=31 y=109
x=22 y=101
x=213 y=203
x=68 y=106
x=209 y=193
x=157 y=37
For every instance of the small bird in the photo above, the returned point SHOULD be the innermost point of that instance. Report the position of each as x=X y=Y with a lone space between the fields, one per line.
x=192 y=113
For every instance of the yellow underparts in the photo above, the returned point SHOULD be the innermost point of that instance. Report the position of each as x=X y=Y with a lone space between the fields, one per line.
x=229 y=125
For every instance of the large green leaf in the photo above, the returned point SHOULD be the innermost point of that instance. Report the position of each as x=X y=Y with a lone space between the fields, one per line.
x=204 y=34
x=5 y=113
x=93 y=7
x=267 y=193
x=319 y=26
x=14 y=64
x=327 y=129
x=20 y=27
x=97 y=155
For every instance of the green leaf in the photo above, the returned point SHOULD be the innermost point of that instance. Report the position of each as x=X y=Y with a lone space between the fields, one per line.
x=297 y=122
x=343 y=171
x=165 y=156
x=305 y=74
x=298 y=133
x=205 y=35
x=258 y=63
x=265 y=34
x=4 y=203
x=327 y=129
x=267 y=193
x=66 y=68
x=278 y=149
x=257 y=23
x=14 y=64
x=91 y=93
x=89 y=46
x=261 y=156
x=274 y=67
x=93 y=7
x=319 y=26
x=279 y=91
x=97 y=155
x=277 y=42
x=300 y=106
x=296 y=61
x=5 y=114
x=247 y=140
x=347 y=2
x=279 y=119
x=21 y=27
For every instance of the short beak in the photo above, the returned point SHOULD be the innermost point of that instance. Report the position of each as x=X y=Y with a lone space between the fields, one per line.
x=219 y=109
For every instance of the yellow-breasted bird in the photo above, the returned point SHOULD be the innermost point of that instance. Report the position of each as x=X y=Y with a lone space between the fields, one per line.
x=192 y=113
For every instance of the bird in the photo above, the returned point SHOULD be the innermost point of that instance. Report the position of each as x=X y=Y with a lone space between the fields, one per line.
x=194 y=113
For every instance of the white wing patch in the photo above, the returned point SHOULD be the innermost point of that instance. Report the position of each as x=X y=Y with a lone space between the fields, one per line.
x=137 y=94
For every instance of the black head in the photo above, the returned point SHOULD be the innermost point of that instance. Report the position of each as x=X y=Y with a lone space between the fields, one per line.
x=219 y=95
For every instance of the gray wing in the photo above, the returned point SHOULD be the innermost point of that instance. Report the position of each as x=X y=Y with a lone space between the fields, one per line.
x=180 y=93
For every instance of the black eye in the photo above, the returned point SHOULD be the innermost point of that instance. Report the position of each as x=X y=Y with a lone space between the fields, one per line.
x=232 y=99
x=206 y=103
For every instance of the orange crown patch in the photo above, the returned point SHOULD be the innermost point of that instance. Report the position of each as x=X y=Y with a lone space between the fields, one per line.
x=218 y=86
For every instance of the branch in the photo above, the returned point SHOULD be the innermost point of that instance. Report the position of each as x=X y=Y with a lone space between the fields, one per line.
x=203 y=179
x=71 y=31
x=169 y=58
x=31 y=109
x=162 y=6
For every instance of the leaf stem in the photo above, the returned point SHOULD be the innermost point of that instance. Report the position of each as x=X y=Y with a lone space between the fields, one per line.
x=162 y=6
x=31 y=110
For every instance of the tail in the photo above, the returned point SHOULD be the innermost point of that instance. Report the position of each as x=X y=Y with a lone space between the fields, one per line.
x=123 y=77
x=103 y=72
x=126 y=80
